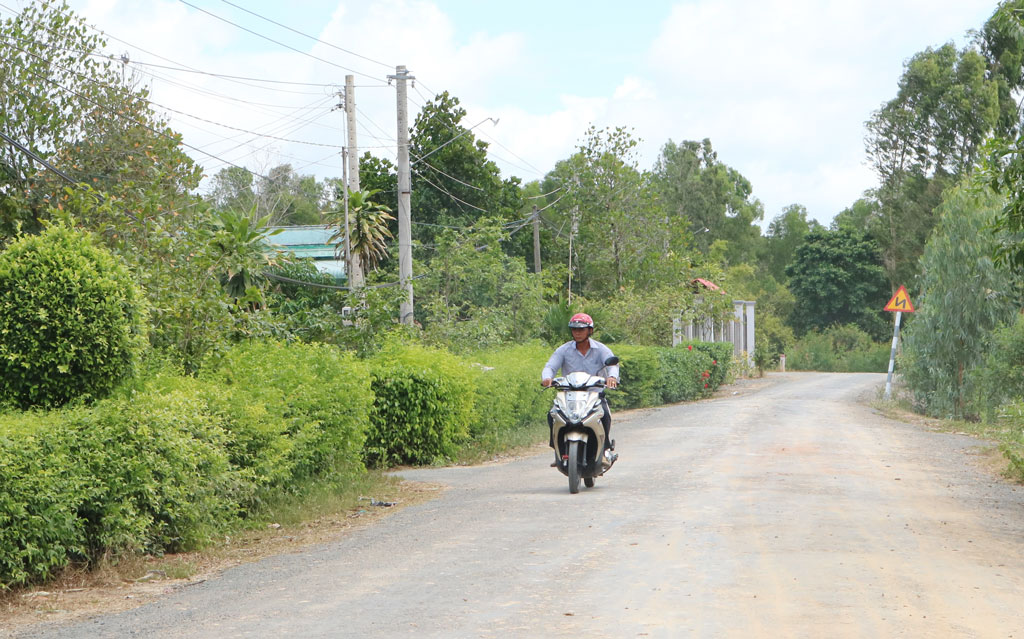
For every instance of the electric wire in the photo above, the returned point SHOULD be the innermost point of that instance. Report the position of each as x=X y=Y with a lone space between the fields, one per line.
x=282 y=278
x=142 y=124
x=189 y=115
x=269 y=39
x=261 y=17
x=64 y=176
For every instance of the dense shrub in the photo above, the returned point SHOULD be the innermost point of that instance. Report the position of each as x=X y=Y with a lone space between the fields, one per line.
x=508 y=395
x=422 y=407
x=39 y=527
x=72 y=320
x=841 y=349
x=1001 y=376
x=641 y=377
x=154 y=473
x=717 y=369
x=292 y=411
x=680 y=374
x=141 y=475
x=171 y=461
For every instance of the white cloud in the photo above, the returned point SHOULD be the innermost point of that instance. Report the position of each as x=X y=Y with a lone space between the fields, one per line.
x=781 y=87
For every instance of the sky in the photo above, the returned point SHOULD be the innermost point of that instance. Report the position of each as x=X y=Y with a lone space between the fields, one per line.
x=782 y=88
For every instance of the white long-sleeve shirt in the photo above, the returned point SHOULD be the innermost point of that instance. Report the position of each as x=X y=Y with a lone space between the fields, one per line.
x=567 y=358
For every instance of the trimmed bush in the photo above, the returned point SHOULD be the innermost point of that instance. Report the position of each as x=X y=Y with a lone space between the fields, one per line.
x=720 y=356
x=72 y=320
x=681 y=373
x=641 y=375
x=424 y=401
x=172 y=461
x=292 y=411
x=39 y=527
x=140 y=475
x=508 y=395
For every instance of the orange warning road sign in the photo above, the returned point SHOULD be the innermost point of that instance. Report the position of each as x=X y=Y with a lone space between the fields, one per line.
x=900 y=302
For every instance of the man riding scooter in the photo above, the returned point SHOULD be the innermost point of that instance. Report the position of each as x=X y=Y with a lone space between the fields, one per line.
x=588 y=355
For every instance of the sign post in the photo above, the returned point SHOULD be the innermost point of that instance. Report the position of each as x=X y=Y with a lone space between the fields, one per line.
x=900 y=304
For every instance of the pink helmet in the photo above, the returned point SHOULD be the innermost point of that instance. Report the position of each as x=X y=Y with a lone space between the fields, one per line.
x=581 y=320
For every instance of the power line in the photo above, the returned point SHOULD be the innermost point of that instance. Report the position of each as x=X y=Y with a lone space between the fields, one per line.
x=33 y=155
x=282 y=278
x=156 y=104
x=261 y=17
x=269 y=39
x=142 y=124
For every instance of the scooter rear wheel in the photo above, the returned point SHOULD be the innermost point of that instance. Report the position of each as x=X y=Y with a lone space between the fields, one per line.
x=574 y=467
x=588 y=482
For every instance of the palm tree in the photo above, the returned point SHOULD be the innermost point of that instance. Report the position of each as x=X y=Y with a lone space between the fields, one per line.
x=368 y=227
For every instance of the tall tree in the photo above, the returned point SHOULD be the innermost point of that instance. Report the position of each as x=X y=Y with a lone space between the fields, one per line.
x=71 y=106
x=714 y=199
x=922 y=141
x=837 y=278
x=283 y=196
x=965 y=296
x=453 y=181
x=785 y=233
x=619 y=231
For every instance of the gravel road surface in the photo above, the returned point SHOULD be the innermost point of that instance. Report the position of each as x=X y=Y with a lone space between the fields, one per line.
x=787 y=507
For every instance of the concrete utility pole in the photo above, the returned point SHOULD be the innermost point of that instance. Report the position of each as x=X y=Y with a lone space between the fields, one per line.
x=536 y=239
x=404 y=193
x=354 y=264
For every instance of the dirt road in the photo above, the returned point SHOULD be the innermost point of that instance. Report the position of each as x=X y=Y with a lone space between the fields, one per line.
x=790 y=509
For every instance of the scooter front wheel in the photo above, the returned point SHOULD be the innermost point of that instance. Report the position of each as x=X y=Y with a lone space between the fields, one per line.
x=574 y=467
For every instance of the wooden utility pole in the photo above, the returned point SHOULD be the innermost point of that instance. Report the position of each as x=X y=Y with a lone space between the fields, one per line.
x=536 y=239
x=354 y=263
x=406 y=311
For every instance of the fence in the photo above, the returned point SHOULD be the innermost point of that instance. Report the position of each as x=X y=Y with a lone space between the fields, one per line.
x=738 y=329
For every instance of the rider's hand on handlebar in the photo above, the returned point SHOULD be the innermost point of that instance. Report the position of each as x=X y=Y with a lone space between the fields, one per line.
x=545 y=382
x=611 y=382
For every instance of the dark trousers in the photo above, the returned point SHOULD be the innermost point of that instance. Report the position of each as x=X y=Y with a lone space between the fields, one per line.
x=606 y=421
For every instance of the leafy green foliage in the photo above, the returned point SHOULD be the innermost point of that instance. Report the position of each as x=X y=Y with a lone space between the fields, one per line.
x=241 y=252
x=454 y=183
x=282 y=196
x=841 y=349
x=41 y=493
x=655 y=375
x=72 y=320
x=965 y=297
x=69 y=103
x=836 y=278
x=293 y=411
x=510 y=405
x=477 y=296
x=711 y=199
x=368 y=227
x=786 y=233
x=1001 y=378
x=422 y=408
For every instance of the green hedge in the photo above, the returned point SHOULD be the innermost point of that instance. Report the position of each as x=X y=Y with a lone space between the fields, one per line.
x=653 y=375
x=508 y=398
x=422 y=407
x=173 y=461
x=292 y=411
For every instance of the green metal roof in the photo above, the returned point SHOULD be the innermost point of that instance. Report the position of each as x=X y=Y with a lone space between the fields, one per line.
x=311 y=242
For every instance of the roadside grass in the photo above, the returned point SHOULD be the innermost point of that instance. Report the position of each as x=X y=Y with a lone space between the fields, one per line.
x=1004 y=433
x=503 y=445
